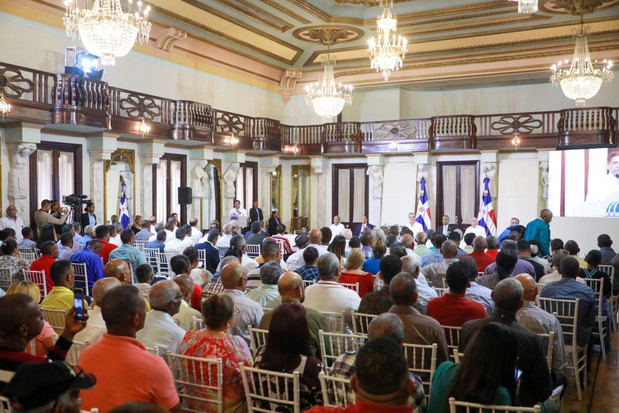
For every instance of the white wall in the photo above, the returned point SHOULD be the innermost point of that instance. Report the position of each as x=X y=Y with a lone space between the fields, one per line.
x=373 y=104
x=584 y=231
x=518 y=189
x=399 y=190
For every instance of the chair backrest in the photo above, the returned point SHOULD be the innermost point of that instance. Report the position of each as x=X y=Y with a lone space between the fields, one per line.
x=480 y=273
x=5 y=405
x=202 y=258
x=354 y=287
x=55 y=318
x=162 y=264
x=422 y=361
x=335 y=321
x=81 y=276
x=74 y=352
x=269 y=391
x=334 y=344
x=479 y=408
x=5 y=278
x=566 y=312
x=442 y=281
x=151 y=258
x=336 y=391
x=548 y=340
x=596 y=284
x=361 y=322
x=28 y=255
x=441 y=291
x=307 y=283
x=457 y=356
x=155 y=350
x=140 y=244
x=38 y=278
x=258 y=338
x=198 y=323
x=452 y=336
x=253 y=250
x=200 y=381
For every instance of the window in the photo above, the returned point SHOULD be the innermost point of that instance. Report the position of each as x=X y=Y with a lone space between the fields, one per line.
x=458 y=192
x=170 y=174
x=247 y=184
x=350 y=193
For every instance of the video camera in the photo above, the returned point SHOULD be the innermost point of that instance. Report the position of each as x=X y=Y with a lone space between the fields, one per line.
x=75 y=200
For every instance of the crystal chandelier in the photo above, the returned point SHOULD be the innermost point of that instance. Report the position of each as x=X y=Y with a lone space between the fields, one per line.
x=387 y=50
x=105 y=30
x=327 y=97
x=581 y=80
x=526 y=6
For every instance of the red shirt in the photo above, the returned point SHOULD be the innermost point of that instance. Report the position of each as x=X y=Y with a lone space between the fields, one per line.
x=43 y=264
x=482 y=259
x=196 y=297
x=361 y=407
x=106 y=248
x=366 y=281
x=454 y=310
x=492 y=253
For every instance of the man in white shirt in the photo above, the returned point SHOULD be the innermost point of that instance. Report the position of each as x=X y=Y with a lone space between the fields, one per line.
x=337 y=228
x=11 y=220
x=224 y=241
x=96 y=326
x=327 y=295
x=170 y=229
x=237 y=211
x=246 y=311
x=411 y=223
x=177 y=245
x=479 y=231
x=185 y=314
x=196 y=234
x=159 y=327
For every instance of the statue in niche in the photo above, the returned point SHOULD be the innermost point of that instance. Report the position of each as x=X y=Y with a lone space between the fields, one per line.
x=544 y=175
x=376 y=174
x=17 y=181
x=229 y=179
x=197 y=179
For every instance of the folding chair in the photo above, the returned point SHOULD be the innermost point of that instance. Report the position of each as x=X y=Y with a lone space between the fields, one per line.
x=81 y=277
x=200 y=381
x=597 y=285
x=614 y=299
x=38 y=278
x=258 y=338
x=28 y=255
x=479 y=408
x=162 y=264
x=452 y=336
x=457 y=356
x=5 y=404
x=422 y=361
x=332 y=345
x=55 y=318
x=198 y=323
x=74 y=352
x=253 y=250
x=548 y=340
x=307 y=283
x=151 y=258
x=354 y=287
x=140 y=244
x=5 y=278
x=336 y=391
x=441 y=291
x=361 y=322
x=335 y=321
x=566 y=312
x=269 y=391
x=202 y=258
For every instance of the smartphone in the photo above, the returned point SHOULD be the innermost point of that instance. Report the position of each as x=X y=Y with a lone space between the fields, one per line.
x=517 y=374
x=78 y=304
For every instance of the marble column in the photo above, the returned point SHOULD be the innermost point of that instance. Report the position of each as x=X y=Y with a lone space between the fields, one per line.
x=199 y=160
x=376 y=170
x=318 y=211
x=100 y=148
x=149 y=154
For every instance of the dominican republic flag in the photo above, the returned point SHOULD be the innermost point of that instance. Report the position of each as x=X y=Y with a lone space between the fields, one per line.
x=423 y=209
x=486 y=217
x=123 y=209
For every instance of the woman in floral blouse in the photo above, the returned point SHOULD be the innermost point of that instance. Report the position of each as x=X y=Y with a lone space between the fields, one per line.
x=11 y=261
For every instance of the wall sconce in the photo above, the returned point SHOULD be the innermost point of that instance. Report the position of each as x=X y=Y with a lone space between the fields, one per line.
x=393 y=146
x=232 y=140
x=5 y=107
x=144 y=127
x=516 y=141
x=292 y=149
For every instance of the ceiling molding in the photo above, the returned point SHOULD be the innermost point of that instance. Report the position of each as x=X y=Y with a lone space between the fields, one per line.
x=576 y=7
x=275 y=4
x=311 y=9
x=328 y=35
x=258 y=14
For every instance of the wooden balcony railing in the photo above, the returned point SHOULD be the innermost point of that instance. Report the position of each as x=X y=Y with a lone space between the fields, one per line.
x=43 y=97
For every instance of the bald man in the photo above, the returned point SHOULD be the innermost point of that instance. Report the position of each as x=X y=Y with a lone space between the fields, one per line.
x=246 y=311
x=118 y=269
x=435 y=273
x=290 y=287
x=159 y=327
x=539 y=321
x=96 y=326
x=184 y=317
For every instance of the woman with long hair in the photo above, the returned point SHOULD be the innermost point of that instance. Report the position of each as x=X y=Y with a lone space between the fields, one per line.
x=483 y=376
x=353 y=273
x=11 y=260
x=288 y=350
x=338 y=247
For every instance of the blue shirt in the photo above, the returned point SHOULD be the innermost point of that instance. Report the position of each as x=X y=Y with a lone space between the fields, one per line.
x=371 y=265
x=94 y=265
x=84 y=240
x=156 y=244
x=308 y=273
x=539 y=230
x=432 y=257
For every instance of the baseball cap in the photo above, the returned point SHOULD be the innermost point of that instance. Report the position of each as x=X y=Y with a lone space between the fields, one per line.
x=36 y=384
x=301 y=239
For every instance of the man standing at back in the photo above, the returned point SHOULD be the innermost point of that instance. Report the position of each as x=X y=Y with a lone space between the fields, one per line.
x=255 y=213
x=539 y=230
x=327 y=295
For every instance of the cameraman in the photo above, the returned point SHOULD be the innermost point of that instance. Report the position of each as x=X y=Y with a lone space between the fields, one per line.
x=43 y=216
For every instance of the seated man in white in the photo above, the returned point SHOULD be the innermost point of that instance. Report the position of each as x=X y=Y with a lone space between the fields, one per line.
x=337 y=228
x=479 y=231
x=224 y=241
x=176 y=246
x=96 y=326
x=159 y=327
x=327 y=295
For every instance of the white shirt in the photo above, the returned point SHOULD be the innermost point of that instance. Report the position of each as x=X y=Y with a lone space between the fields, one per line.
x=241 y=212
x=224 y=241
x=248 y=263
x=169 y=236
x=16 y=224
x=424 y=294
x=200 y=276
x=331 y=297
x=174 y=247
x=479 y=231
x=246 y=312
x=411 y=226
x=195 y=235
x=337 y=229
x=95 y=328
x=296 y=260
x=481 y=295
x=160 y=330
x=185 y=316
x=116 y=240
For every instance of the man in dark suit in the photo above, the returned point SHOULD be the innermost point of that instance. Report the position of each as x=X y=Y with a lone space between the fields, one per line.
x=363 y=226
x=274 y=222
x=89 y=217
x=212 y=254
x=255 y=213
x=446 y=228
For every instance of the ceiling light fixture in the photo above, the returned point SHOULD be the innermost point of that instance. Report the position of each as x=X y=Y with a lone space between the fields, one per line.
x=581 y=80
x=393 y=146
x=105 y=30
x=231 y=140
x=387 y=50
x=5 y=107
x=327 y=97
x=527 y=6
x=144 y=128
x=516 y=141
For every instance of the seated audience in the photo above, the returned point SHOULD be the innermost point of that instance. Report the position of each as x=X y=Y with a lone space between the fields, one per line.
x=65 y=246
x=535 y=248
x=267 y=295
x=61 y=295
x=127 y=251
x=327 y=295
x=247 y=311
x=159 y=327
x=476 y=292
x=604 y=243
x=453 y=308
x=281 y=239
x=556 y=244
x=468 y=241
x=509 y=246
x=89 y=235
x=418 y=328
x=505 y=264
x=125 y=371
x=239 y=244
x=102 y=233
x=424 y=292
x=116 y=230
x=185 y=315
x=573 y=249
x=535 y=384
x=288 y=350
x=89 y=255
x=257 y=233
x=44 y=342
x=325 y=237
x=178 y=244
x=456 y=237
x=493 y=246
x=338 y=247
x=372 y=264
x=143 y=233
x=180 y=265
x=95 y=328
x=296 y=260
x=215 y=341
x=26 y=242
x=555 y=275
x=485 y=377
x=367 y=241
x=421 y=249
x=224 y=241
x=11 y=260
x=144 y=278
x=290 y=287
x=199 y=276
x=593 y=259
x=380 y=301
x=118 y=269
x=435 y=272
x=353 y=274
x=49 y=253
x=159 y=242
x=270 y=253
x=212 y=254
x=309 y=272
x=481 y=258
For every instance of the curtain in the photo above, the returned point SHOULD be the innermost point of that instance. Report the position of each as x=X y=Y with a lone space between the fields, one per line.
x=239 y=187
x=343 y=195
x=249 y=189
x=162 y=191
x=66 y=174
x=468 y=184
x=359 y=194
x=449 y=191
x=44 y=175
x=175 y=183
x=303 y=193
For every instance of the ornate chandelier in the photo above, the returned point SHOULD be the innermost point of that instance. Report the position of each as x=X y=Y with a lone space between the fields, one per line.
x=327 y=97
x=387 y=50
x=526 y=6
x=105 y=30
x=581 y=81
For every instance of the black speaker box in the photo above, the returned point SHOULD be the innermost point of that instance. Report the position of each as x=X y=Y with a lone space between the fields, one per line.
x=184 y=195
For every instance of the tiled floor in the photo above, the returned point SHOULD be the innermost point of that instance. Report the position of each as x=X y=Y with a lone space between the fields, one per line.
x=602 y=394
